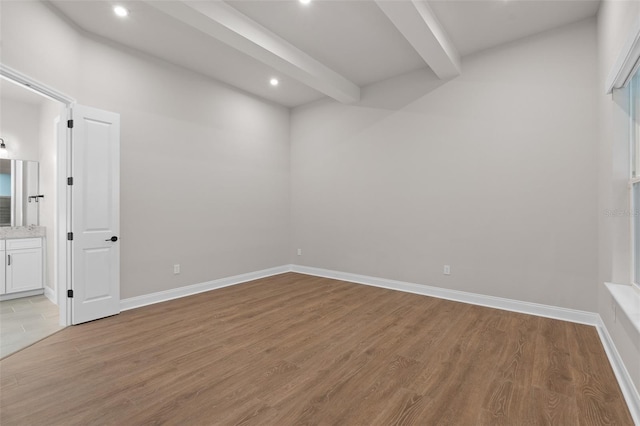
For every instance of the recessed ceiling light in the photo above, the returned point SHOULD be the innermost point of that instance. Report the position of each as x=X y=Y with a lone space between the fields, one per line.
x=120 y=11
x=274 y=82
x=305 y=1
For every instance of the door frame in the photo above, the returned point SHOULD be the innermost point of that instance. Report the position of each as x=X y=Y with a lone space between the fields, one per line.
x=62 y=220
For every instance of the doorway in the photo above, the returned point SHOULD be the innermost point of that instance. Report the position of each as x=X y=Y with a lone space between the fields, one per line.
x=28 y=253
x=86 y=269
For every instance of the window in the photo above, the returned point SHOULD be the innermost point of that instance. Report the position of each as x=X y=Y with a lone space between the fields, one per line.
x=634 y=181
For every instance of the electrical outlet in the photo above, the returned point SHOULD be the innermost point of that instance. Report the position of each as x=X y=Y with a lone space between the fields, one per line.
x=447 y=270
x=299 y=252
x=176 y=268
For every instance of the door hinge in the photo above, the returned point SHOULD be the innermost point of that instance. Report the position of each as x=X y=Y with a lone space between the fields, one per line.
x=70 y=236
x=70 y=293
x=70 y=124
x=69 y=181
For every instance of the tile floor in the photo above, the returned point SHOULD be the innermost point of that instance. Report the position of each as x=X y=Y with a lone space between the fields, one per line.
x=24 y=321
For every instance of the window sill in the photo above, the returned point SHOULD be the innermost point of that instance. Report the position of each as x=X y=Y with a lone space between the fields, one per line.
x=628 y=299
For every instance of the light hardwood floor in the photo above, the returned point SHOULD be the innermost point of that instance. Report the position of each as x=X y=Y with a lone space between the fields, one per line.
x=295 y=349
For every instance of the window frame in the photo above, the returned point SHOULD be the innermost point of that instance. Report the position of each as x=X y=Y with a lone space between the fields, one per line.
x=634 y=173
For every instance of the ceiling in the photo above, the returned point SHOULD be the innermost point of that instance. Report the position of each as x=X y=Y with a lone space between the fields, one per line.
x=325 y=48
x=477 y=25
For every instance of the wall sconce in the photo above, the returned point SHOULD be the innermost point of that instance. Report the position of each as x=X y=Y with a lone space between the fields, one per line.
x=2 y=145
x=3 y=149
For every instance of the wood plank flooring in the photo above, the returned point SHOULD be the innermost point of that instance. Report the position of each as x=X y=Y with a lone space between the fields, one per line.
x=299 y=350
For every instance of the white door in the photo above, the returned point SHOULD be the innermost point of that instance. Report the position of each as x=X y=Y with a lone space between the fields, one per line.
x=95 y=211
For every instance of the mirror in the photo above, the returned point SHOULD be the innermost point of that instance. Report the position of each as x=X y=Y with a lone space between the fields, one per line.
x=19 y=197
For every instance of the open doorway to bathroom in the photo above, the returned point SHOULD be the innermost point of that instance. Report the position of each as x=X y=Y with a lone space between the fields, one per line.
x=28 y=296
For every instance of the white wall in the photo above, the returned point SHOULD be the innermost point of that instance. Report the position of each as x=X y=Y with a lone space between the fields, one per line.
x=39 y=43
x=492 y=173
x=614 y=23
x=49 y=111
x=204 y=181
x=20 y=129
x=204 y=167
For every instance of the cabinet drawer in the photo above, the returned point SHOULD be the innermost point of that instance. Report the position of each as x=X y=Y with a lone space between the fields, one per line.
x=23 y=243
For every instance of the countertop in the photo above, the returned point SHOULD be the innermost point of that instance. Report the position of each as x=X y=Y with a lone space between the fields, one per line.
x=11 y=232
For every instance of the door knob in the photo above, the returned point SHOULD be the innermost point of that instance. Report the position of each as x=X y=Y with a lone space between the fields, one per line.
x=114 y=239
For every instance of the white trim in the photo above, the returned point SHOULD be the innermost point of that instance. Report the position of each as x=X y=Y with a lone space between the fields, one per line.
x=555 y=312
x=627 y=60
x=176 y=293
x=547 y=311
x=633 y=155
x=34 y=85
x=51 y=295
x=627 y=298
x=63 y=216
x=629 y=391
x=420 y=26
x=28 y=293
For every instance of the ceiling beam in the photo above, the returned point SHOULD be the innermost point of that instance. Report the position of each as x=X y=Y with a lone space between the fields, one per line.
x=226 y=24
x=420 y=26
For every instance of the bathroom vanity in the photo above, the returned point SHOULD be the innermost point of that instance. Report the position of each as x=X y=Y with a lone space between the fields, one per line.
x=21 y=239
x=21 y=271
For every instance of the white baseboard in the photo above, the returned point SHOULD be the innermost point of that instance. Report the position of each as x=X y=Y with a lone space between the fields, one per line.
x=627 y=387
x=51 y=294
x=163 y=296
x=555 y=312
x=18 y=295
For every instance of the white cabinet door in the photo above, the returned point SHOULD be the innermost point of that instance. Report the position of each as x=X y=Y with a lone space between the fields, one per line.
x=23 y=269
